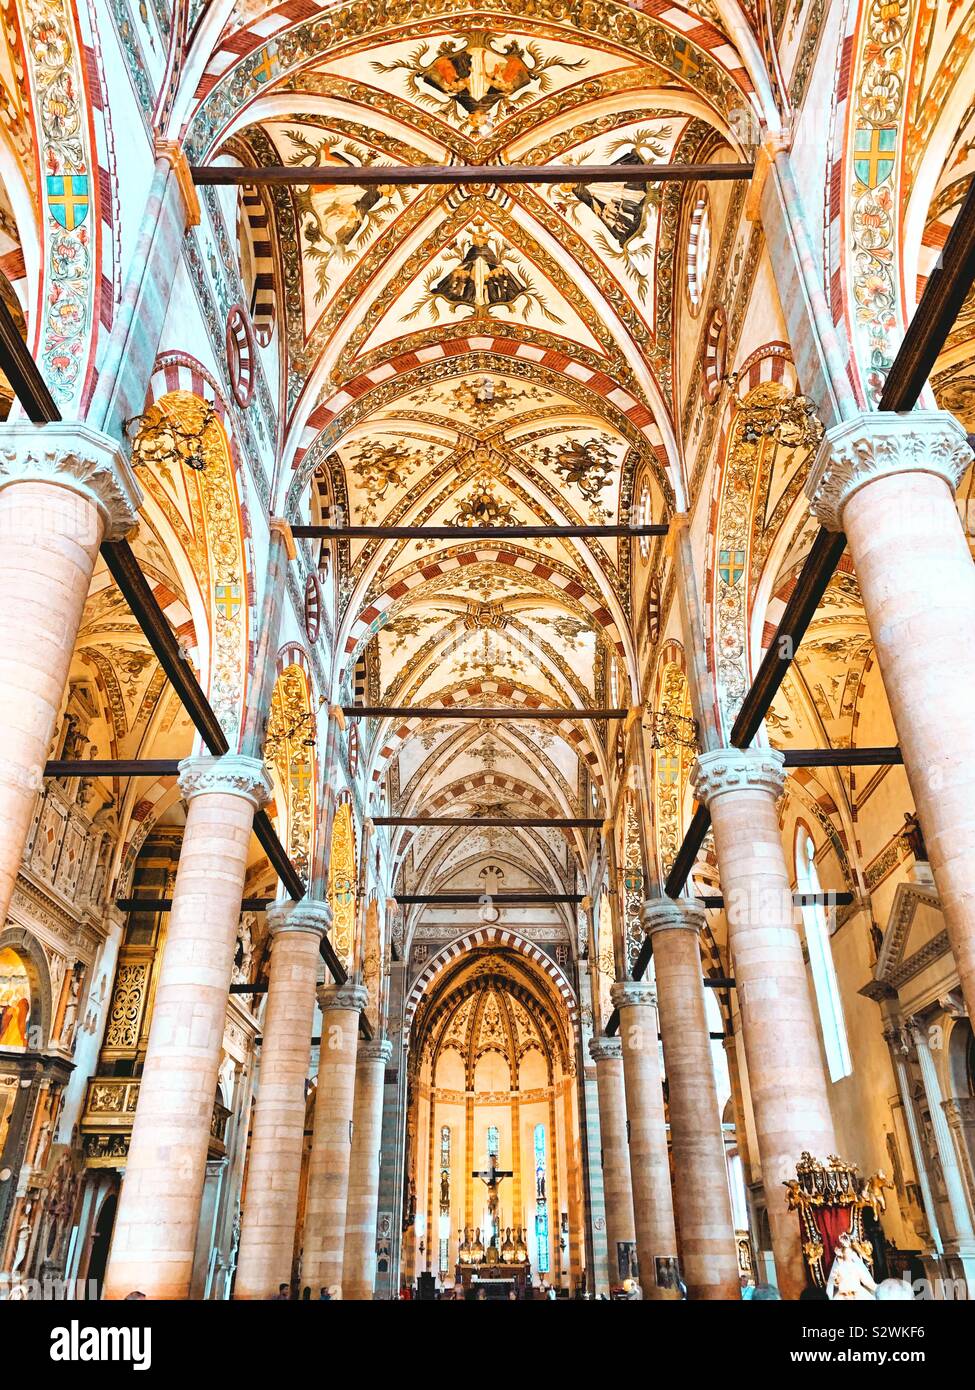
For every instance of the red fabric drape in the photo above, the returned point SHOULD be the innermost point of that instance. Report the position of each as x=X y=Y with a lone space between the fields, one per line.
x=831 y=1223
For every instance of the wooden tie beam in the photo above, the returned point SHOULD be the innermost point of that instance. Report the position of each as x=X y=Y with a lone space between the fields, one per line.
x=459 y=899
x=331 y=176
x=470 y=533
x=466 y=712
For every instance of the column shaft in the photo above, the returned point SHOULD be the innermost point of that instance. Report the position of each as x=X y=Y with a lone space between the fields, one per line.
x=785 y=1072
x=267 y=1236
x=709 y=1256
x=607 y=1053
x=653 y=1203
x=359 y=1261
x=159 y=1206
x=331 y=1145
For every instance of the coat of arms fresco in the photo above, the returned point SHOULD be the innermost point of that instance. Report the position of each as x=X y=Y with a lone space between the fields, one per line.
x=338 y=221
x=482 y=273
x=477 y=78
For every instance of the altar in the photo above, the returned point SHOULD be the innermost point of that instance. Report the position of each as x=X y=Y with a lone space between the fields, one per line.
x=499 y=1262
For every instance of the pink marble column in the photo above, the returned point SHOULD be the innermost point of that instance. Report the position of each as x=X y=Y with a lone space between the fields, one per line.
x=331 y=1146
x=63 y=489
x=607 y=1053
x=889 y=481
x=267 y=1237
x=741 y=787
x=653 y=1203
x=709 y=1253
x=159 y=1206
x=362 y=1205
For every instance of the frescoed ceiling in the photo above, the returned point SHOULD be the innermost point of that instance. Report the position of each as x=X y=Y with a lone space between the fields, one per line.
x=480 y=356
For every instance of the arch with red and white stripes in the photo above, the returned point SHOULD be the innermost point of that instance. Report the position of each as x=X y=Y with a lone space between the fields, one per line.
x=506 y=938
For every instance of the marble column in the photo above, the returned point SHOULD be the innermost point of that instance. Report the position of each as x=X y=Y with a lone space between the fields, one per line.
x=961 y=1242
x=790 y=1102
x=64 y=488
x=709 y=1255
x=267 y=1236
x=159 y=1205
x=888 y=481
x=607 y=1053
x=331 y=1145
x=362 y=1204
x=653 y=1203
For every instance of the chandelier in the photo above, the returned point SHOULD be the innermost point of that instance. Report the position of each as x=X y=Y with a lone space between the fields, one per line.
x=666 y=729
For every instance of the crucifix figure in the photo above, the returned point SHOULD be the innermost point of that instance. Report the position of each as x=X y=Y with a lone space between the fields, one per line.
x=491 y=1178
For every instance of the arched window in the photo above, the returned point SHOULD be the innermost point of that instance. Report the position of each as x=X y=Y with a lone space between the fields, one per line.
x=821 y=961
x=644 y=517
x=492 y=1141
x=541 y=1200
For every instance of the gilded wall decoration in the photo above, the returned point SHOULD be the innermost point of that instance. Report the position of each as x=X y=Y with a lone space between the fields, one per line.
x=290 y=745
x=342 y=884
x=672 y=760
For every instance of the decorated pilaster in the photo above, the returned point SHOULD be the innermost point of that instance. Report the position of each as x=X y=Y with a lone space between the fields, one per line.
x=359 y=1260
x=63 y=490
x=653 y=1203
x=331 y=1145
x=741 y=788
x=159 y=1206
x=889 y=481
x=267 y=1235
x=607 y=1053
x=709 y=1255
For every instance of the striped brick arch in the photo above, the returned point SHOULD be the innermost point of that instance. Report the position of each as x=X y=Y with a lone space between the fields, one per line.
x=489 y=690
x=379 y=610
x=253 y=224
x=491 y=782
x=496 y=936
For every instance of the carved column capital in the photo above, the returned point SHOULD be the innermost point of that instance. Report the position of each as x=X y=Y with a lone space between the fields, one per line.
x=605 y=1049
x=737 y=769
x=960 y=1112
x=347 y=996
x=672 y=914
x=878 y=444
x=633 y=994
x=377 y=1050
x=72 y=455
x=231 y=775
x=311 y=916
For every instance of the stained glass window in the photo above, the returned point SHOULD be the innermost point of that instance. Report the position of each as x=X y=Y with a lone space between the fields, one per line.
x=541 y=1200
x=825 y=983
x=492 y=1138
x=444 y=1230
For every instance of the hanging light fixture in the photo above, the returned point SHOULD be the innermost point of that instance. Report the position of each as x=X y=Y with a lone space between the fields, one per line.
x=168 y=438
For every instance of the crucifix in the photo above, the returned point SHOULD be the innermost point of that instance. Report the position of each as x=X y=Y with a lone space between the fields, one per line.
x=491 y=1178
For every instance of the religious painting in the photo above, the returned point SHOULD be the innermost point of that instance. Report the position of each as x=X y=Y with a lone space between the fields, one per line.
x=15 y=1002
x=481 y=273
x=338 y=220
x=626 y=1261
x=478 y=78
x=667 y=1272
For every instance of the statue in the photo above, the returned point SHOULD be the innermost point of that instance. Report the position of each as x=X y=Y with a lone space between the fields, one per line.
x=849 y=1276
x=874 y=1193
x=913 y=836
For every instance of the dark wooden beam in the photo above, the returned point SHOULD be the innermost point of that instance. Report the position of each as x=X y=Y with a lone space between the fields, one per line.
x=465 y=174
x=495 y=822
x=22 y=372
x=111 y=767
x=798 y=900
x=166 y=904
x=466 y=712
x=499 y=899
x=468 y=533
x=842 y=757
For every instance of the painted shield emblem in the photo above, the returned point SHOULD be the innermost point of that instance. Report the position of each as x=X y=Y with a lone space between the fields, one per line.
x=731 y=565
x=874 y=153
x=67 y=198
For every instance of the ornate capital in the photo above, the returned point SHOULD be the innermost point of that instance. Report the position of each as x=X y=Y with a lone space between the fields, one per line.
x=736 y=769
x=232 y=775
x=378 y=1050
x=312 y=917
x=633 y=994
x=960 y=1112
x=171 y=152
x=878 y=444
x=347 y=996
x=605 y=1049
x=72 y=455
x=672 y=914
